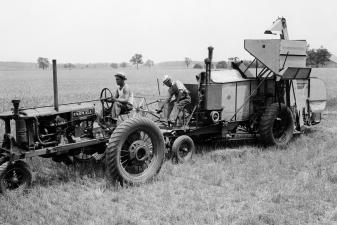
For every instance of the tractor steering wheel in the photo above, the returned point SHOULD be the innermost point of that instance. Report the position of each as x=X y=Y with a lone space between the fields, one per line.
x=105 y=95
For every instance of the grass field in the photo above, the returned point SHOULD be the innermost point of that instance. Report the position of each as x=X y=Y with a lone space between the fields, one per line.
x=239 y=183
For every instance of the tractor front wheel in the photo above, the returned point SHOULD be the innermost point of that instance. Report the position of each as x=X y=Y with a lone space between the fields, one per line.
x=276 y=125
x=14 y=176
x=135 y=152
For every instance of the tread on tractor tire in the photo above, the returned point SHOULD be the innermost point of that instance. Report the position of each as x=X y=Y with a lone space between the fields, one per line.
x=276 y=125
x=135 y=152
x=184 y=148
x=14 y=176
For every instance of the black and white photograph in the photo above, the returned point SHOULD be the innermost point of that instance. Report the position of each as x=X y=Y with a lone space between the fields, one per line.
x=165 y=112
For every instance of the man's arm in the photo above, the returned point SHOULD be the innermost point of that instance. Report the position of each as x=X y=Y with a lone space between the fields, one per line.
x=180 y=94
x=167 y=100
x=112 y=98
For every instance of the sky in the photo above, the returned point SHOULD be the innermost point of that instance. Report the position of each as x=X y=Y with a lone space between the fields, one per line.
x=88 y=31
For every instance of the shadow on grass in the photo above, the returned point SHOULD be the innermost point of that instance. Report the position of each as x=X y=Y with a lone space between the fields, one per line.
x=48 y=173
x=214 y=145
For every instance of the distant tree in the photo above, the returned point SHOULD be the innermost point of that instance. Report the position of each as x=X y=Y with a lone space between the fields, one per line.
x=149 y=63
x=43 y=63
x=311 y=57
x=234 y=59
x=123 y=64
x=114 y=65
x=188 y=61
x=221 y=65
x=317 y=57
x=69 y=66
x=197 y=66
x=137 y=59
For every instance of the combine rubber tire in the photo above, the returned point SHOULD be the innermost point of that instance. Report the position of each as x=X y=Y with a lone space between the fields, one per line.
x=14 y=176
x=184 y=148
x=276 y=125
x=135 y=152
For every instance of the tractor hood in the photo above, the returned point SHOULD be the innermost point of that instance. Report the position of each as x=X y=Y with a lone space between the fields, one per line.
x=226 y=76
x=45 y=111
x=49 y=110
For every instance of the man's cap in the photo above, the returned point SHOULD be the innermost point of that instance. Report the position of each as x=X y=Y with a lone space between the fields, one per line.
x=121 y=75
x=166 y=79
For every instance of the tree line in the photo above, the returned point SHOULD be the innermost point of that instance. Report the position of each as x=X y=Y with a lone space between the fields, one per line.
x=137 y=59
x=315 y=58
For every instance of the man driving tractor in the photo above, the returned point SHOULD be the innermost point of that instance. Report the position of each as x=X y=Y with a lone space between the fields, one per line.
x=181 y=97
x=123 y=99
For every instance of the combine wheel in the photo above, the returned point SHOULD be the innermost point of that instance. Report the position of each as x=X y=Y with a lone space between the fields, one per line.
x=14 y=176
x=135 y=152
x=276 y=125
x=184 y=148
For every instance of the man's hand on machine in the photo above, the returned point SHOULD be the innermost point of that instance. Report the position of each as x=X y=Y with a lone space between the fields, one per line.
x=111 y=99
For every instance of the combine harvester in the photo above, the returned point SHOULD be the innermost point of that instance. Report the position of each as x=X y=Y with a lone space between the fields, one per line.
x=246 y=102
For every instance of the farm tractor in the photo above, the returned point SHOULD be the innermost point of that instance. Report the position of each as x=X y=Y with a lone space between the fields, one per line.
x=270 y=99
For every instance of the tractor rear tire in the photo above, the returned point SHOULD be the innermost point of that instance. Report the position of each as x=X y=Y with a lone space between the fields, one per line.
x=135 y=152
x=14 y=176
x=184 y=148
x=276 y=125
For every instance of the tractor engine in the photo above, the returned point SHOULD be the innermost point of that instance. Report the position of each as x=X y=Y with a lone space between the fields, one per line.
x=41 y=127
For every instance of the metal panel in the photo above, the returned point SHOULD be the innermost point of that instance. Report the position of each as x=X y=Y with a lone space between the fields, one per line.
x=291 y=47
x=228 y=96
x=296 y=73
x=278 y=54
x=243 y=91
x=300 y=89
x=213 y=96
x=266 y=51
x=317 y=95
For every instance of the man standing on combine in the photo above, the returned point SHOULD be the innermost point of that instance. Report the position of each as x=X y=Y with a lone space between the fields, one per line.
x=123 y=99
x=181 y=97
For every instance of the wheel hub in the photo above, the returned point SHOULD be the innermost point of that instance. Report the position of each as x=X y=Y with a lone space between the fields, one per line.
x=139 y=150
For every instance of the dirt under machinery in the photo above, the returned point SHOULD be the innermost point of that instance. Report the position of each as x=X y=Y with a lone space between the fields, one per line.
x=246 y=102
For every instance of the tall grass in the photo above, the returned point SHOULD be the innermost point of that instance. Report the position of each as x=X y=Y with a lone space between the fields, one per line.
x=246 y=184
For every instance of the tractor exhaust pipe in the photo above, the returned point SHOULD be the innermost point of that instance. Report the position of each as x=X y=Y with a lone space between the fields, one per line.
x=210 y=53
x=56 y=98
x=16 y=104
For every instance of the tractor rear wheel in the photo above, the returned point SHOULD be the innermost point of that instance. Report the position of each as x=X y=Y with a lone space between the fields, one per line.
x=135 y=152
x=184 y=148
x=276 y=125
x=14 y=176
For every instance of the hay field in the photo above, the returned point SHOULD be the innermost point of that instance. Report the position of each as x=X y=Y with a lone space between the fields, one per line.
x=227 y=184
x=35 y=87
